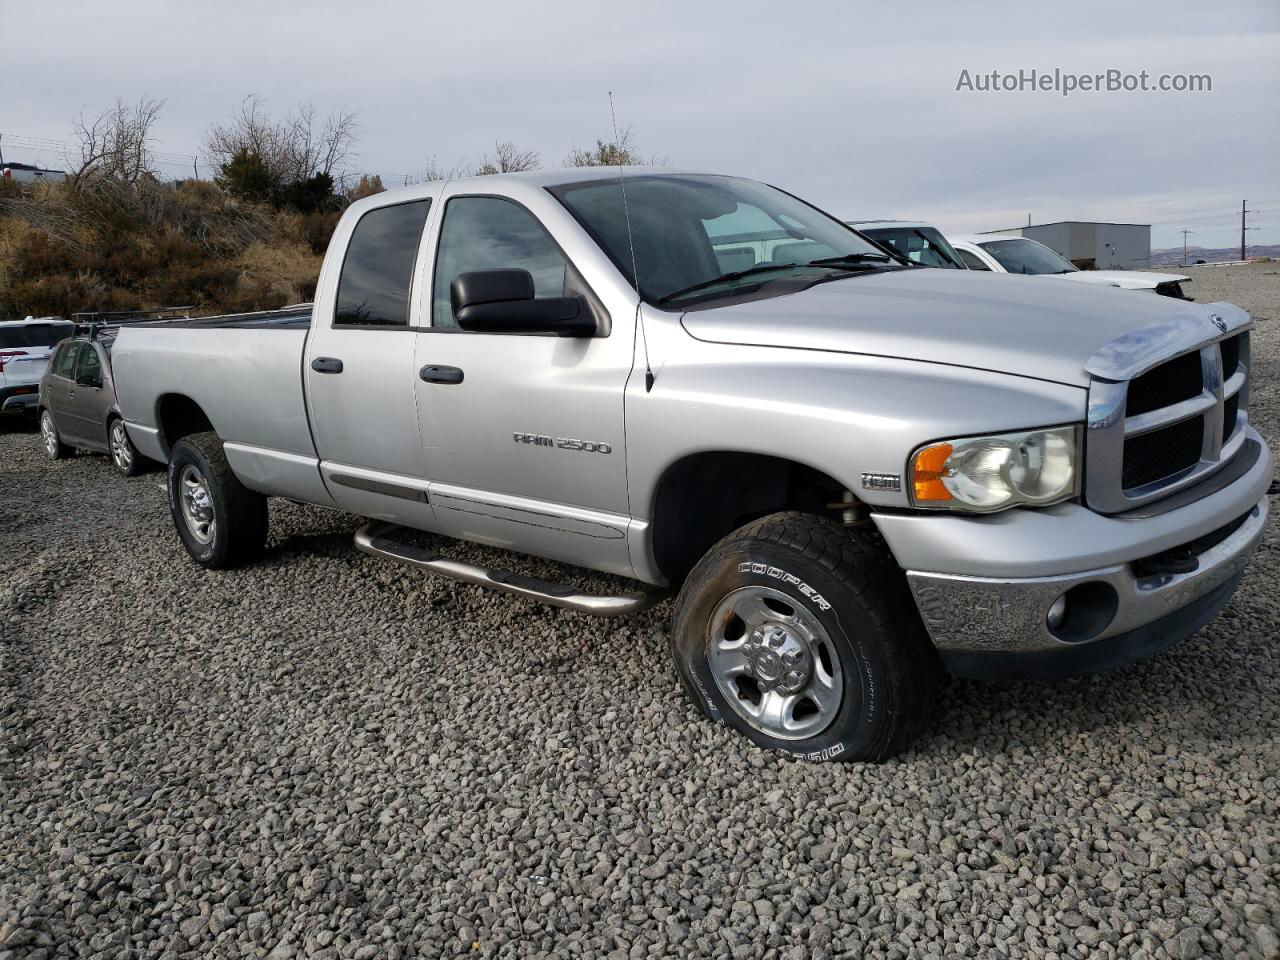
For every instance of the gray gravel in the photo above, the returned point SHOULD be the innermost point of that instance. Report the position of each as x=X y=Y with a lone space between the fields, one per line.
x=326 y=756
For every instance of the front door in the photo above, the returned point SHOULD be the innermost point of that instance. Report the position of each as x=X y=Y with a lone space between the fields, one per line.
x=360 y=373
x=523 y=433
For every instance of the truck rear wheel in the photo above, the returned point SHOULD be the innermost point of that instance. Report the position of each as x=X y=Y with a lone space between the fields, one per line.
x=803 y=636
x=220 y=521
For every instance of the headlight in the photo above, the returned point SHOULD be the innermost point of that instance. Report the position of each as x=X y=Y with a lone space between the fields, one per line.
x=984 y=474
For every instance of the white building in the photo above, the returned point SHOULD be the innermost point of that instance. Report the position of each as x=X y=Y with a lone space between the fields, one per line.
x=1093 y=246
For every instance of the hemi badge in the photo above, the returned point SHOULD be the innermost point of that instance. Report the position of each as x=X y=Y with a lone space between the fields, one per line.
x=881 y=481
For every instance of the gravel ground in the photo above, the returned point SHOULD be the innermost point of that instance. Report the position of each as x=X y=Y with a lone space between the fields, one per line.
x=327 y=756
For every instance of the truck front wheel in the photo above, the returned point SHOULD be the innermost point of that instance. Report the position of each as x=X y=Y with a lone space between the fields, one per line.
x=220 y=521
x=803 y=636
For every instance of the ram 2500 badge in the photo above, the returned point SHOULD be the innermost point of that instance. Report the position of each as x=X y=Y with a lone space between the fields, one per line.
x=858 y=473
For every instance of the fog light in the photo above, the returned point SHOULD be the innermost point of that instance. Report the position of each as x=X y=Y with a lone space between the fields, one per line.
x=1083 y=612
x=1057 y=613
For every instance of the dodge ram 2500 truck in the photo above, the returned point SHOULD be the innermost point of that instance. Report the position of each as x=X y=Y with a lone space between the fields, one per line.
x=858 y=473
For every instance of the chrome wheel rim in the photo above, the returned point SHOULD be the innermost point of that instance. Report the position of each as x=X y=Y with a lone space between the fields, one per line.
x=49 y=433
x=121 y=452
x=196 y=504
x=774 y=663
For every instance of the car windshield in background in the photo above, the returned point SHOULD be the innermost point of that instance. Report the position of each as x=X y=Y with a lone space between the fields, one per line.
x=33 y=335
x=922 y=245
x=1027 y=256
x=707 y=236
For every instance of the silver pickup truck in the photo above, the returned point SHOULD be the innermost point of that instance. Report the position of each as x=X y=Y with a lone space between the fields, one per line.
x=858 y=473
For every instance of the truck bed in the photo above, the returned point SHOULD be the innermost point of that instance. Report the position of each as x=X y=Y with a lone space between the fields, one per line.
x=243 y=371
x=295 y=316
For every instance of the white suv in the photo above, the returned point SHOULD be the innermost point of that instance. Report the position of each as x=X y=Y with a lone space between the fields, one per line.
x=25 y=347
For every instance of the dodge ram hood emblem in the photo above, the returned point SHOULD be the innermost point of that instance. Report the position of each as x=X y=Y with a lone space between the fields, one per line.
x=1218 y=322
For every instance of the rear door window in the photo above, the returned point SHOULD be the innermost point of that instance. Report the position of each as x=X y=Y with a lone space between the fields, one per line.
x=377 y=271
x=972 y=260
x=89 y=366
x=64 y=364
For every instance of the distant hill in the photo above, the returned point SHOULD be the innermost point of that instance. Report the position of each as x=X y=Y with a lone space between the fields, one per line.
x=1172 y=256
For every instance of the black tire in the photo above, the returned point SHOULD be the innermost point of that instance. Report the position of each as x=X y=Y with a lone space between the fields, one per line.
x=130 y=462
x=54 y=448
x=237 y=533
x=848 y=583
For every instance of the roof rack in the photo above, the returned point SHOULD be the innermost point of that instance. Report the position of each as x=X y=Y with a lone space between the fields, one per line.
x=111 y=319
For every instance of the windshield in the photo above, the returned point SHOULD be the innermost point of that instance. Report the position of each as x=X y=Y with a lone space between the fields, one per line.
x=1027 y=256
x=923 y=245
x=34 y=334
x=707 y=236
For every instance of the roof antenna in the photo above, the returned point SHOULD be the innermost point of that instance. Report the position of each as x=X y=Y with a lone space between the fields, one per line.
x=631 y=241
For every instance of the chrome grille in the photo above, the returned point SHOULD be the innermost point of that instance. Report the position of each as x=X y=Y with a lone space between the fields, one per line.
x=1178 y=416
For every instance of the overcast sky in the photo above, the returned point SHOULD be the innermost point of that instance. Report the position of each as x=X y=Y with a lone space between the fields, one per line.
x=851 y=105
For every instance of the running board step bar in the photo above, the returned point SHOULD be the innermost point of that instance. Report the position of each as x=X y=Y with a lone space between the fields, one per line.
x=378 y=540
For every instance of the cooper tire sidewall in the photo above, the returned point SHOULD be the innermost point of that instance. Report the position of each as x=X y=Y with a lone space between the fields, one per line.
x=858 y=727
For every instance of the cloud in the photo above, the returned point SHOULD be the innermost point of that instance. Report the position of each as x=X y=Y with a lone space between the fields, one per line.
x=853 y=106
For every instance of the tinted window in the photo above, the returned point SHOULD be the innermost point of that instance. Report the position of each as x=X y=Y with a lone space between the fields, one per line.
x=489 y=233
x=1027 y=256
x=689 y=231
x=377 y=271
x=972 y=260
x=34 y=334
x=90 y=365
x=923 y=245
x=65 y=362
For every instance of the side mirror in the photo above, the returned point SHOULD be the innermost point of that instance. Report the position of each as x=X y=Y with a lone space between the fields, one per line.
x=502 y=301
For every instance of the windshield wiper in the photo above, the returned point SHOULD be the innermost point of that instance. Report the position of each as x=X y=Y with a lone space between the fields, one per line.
x=848 y=261
x=851 y=260
x=735 y=275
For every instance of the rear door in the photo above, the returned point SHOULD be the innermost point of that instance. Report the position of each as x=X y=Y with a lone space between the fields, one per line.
x=359 y=367
x=85 y=398
x=57 y=386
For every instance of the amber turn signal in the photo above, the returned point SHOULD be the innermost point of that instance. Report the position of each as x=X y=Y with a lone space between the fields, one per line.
x=926 y=473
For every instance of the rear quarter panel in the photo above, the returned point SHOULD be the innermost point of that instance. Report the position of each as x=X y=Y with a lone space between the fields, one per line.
x=248 y=382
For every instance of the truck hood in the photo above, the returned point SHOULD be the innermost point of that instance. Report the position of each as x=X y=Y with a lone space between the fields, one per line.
x=1001 y=322
x=1128 y=279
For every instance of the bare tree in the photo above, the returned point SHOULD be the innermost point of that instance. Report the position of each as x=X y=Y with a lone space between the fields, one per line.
x=508 y=158
x=432 y=171
x=619 y=152
x=115 y=145
x=293 y=149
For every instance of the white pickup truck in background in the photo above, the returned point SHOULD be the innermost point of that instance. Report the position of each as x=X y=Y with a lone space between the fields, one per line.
x=985 y=251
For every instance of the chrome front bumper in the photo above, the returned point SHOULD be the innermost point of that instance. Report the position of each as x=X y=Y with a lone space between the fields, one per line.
x=1004 y=615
